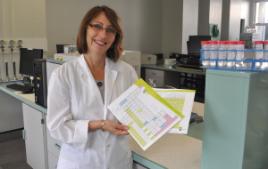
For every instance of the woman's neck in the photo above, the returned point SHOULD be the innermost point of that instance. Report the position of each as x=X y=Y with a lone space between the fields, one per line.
x=96 y=65
x=95 y=60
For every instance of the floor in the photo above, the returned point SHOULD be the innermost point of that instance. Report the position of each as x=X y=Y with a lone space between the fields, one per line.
x=12 y=151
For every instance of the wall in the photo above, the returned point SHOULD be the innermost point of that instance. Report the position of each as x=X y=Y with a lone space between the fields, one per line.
x=233 y=11
x=203 y=17
x=23 y=20
x=189 y=22
x=141 y=21
x=171 y=26
x=234 y=20
x=1 y=19
x=225 y=20
x=215 y=13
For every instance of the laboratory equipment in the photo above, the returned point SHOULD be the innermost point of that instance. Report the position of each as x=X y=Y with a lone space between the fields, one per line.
x=40 y=82
x=2 y=49
x=12 y=60
x=27 y=57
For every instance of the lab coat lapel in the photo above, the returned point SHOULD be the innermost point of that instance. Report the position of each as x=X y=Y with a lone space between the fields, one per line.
x=110 y=78
x=87 y=76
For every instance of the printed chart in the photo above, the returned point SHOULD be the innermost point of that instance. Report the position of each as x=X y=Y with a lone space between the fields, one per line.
x=148 y=115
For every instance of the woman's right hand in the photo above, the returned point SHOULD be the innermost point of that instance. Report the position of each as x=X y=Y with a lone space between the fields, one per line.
x=114 y=127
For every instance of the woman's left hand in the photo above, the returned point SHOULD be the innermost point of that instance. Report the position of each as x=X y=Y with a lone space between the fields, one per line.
x=115 y=127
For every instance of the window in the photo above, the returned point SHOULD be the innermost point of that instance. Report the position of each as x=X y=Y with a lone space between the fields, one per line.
x=261 y=12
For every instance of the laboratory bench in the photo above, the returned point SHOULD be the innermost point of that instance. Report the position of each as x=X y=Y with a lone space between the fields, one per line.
x=42 y=151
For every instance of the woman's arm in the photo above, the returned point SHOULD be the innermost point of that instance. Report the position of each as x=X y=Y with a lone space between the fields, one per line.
x=60 y=122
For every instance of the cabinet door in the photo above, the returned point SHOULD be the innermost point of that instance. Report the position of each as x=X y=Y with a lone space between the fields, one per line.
x=155 y=77
x=10 y=113
x=34 y=137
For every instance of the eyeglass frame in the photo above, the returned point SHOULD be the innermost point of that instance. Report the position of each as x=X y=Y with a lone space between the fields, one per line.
x=99 y=27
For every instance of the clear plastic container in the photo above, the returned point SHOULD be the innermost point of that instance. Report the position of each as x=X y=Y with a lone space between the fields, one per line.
x=240 y=55
x=231 y=54
x=222 y=53
x=265 y=55
x=258 y=45
x=213 y=53
x=205 y=45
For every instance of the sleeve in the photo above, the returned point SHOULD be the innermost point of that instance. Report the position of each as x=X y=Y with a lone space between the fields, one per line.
x=60 y=122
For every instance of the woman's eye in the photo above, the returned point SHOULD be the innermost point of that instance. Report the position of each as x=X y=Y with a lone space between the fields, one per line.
x=99 y=27
x=110 y=30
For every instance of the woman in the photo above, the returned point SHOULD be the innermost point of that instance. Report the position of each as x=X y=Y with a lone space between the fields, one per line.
x=80 y=91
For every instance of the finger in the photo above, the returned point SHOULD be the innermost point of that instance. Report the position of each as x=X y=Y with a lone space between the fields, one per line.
x=121 y=132
x=121 y=127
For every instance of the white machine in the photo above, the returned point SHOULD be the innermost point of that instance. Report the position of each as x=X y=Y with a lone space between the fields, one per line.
x=65 y=56
x=148 y=59
x=133 y=58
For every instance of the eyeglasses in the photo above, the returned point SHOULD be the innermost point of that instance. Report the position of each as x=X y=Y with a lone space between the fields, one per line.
x=99 y=27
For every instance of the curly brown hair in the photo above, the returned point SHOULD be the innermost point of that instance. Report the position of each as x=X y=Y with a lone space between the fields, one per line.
x=115 y=50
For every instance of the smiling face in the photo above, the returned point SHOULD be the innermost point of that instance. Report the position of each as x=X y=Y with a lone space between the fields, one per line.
x=100 y=35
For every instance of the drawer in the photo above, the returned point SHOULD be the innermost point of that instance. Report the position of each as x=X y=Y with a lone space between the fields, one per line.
x=53 y=146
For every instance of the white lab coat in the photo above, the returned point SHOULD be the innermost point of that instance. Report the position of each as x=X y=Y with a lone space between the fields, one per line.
x=73 y=100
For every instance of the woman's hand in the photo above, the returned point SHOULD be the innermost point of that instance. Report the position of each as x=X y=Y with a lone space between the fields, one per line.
x=108 y=125
x=114 y=127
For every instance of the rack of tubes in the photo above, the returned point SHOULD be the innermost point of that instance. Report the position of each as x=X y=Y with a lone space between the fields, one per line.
x=254 y=60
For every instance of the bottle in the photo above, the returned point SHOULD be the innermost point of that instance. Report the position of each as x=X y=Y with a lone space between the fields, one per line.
x=231 y=46
x=265 y=55
x=213 y=53
x=240 y=54
x=258 y=46
x=222 y=53
x=205 y=53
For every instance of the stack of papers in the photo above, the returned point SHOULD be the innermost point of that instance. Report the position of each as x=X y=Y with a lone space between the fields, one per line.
x=150 y=113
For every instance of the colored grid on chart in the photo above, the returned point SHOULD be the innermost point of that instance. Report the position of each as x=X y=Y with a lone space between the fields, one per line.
x=148 y=124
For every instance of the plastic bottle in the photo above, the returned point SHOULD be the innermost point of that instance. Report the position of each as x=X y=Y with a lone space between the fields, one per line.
x=205 y=54
x=240 y=54
x=222 y=53
x=258 y=46
x=265 y=55
x=213 y=53
x=231 y=54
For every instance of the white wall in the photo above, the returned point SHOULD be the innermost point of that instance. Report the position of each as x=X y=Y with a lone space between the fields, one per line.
x=189 y=21
x=234 y=22
x=238 y=9
x=215 y=13
x=23 y=20
x=141 y=21
x=1 y=19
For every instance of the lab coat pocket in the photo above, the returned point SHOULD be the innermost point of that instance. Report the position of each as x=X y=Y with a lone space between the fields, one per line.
x=66 y=164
